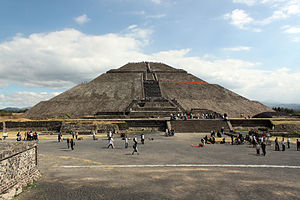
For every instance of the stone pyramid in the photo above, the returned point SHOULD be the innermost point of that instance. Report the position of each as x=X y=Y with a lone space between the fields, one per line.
x=145 y=89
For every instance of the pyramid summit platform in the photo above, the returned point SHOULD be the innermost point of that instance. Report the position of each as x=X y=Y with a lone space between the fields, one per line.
x=142 y=90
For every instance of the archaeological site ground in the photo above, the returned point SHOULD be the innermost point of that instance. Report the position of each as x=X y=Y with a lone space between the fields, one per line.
x=148 y=98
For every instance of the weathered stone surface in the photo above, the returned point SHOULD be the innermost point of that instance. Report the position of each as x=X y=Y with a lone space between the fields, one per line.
x=18 y=167
x=115 y=91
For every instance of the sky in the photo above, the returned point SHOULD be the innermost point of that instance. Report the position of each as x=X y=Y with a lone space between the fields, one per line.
x=251 y=47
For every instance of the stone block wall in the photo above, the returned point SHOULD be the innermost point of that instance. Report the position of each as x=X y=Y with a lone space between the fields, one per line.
x=18 y=167
x=33 y=126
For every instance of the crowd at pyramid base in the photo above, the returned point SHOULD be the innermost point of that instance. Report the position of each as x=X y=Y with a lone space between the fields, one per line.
x=145 y=90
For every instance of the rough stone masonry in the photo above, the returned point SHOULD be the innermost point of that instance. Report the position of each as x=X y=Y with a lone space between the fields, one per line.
x=18 y=167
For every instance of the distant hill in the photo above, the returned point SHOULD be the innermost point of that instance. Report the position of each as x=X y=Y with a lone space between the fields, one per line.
x=14 y=109
x=289 y=106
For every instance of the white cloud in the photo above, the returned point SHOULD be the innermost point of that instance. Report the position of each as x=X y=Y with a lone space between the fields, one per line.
x=248 y=2
x=158 y=16
x=156 y=1
x=292 y=30
x=134 y=31
x=24 y=99
x=240 y=48
x=282 y=9
x=65 y=58
x=238 y=18
x=82 y=19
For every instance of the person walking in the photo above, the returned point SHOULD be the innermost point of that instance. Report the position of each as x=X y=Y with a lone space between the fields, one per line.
x=111 y=143
x=58 y=137
x=257 y=149
x=76 y=135
x=298 y=145
x=283 y=144
x=73 y=134
x=263 y=148
x=135 y=149
x=94 y=135
x=68 y=143
x=142 y=138
x=126 y=142
x=276 y=144
x=72 y=143
x=288 y=143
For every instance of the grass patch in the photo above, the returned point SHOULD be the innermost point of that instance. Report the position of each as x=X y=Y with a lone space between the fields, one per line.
x=285 y=122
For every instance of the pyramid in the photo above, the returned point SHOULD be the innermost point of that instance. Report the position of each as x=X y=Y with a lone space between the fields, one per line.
x=145 y=89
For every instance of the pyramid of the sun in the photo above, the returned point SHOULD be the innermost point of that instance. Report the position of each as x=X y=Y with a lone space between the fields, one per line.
x=145 y=89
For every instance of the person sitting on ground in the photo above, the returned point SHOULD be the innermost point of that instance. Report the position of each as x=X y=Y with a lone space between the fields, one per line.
x=223 y=141
x=219 y=134
x=213 y=140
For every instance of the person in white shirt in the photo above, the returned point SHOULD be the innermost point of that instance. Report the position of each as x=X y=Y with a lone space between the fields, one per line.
x=111 y=143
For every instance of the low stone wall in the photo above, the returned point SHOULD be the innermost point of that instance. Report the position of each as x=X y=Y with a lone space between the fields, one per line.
x=33 y=126
x=18 y=167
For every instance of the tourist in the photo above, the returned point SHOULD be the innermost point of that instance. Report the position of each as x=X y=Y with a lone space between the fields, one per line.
x=36 y=136
x=276 y=145
x=142 y=138
x=94 y=135
x=223 y=141
x=257 y=149
x=126 y=142
x=298 y=145
x=135 y=149
x=268 y=136
x=19 y=137
x=288 y=142
x=231 y=139
x=59 y=137
x=222 y=130
x=263 y=147
x=76 y=135
x=111 y=143
x=72 y=143
x=213 y=140
x=31 y=135
x=68 y=143
x=283 y=144
x=73 y=134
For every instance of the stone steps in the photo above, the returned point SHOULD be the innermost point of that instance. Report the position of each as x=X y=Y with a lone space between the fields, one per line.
x=199 y=126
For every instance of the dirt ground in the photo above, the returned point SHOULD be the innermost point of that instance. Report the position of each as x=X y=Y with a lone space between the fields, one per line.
x=166 y=168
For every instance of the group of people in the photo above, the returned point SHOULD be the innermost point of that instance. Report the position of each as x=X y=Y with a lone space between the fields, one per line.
x=28 y=136
x=197 y=116
x=126 y=139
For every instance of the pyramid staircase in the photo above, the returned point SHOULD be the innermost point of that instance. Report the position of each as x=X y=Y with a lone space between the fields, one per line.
x=153 y=104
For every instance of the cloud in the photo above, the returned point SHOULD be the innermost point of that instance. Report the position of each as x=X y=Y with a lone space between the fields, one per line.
x=24 y=99
x=240 y=48
x=82 y=19
x=158 y=16
x=292 y=30
x=281 y=9
x=64 y=58
x=68 y=57
x=134 y=31
x=238 y=18
x=248 y=2
x=156 y=1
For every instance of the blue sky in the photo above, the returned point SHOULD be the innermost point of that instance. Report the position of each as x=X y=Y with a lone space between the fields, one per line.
x=249 y=46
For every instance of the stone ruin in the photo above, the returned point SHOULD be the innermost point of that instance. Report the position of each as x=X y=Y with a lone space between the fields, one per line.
x=145 y=90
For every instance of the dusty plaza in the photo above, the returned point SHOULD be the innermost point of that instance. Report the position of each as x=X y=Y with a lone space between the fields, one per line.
x=166 y=168
x=186 y=139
